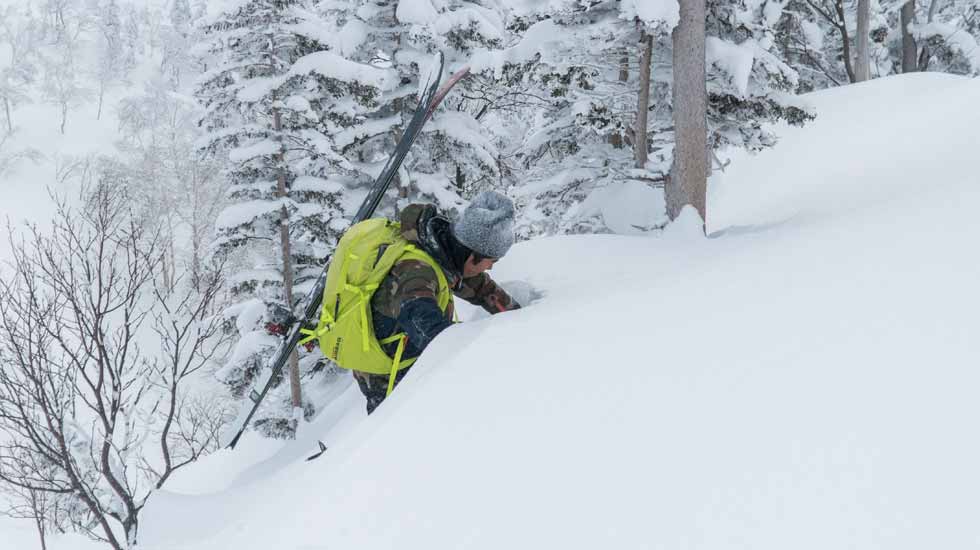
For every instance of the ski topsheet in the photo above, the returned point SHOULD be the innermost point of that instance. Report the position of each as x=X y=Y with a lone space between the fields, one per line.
x=430 y=96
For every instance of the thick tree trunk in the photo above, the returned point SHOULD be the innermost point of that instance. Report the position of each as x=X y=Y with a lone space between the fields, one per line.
x=862 y=42
x=910 y=61
x=296 y=393
x=689 y=172
x=640 y=141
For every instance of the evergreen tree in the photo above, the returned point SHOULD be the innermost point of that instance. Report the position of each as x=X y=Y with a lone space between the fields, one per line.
x=280 y=107
x=111 y=62
x=574 y=67
x=748 y=85
x=569 y=74
x=459 y=154
x=177 y=39
x=949 y=36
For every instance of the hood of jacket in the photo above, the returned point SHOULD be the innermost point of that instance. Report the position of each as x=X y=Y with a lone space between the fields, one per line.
x=423 y=226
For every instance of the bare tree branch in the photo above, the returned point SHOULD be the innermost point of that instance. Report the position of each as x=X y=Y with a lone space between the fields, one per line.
x=79 y=397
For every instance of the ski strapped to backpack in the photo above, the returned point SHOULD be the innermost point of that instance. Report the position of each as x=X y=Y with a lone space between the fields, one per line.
x=345 y=331
x=430 y=97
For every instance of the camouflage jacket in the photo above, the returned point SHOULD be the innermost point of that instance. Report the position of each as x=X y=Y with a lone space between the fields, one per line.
x=407 y=298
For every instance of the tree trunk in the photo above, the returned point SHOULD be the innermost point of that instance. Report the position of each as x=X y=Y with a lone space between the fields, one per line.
x=640 y=141
x=616 y=139
x=10 y=119
x=165 y=272
x=296 y=394
x=845 y=39
x=172 y=250
x=98 y=115
x=910 y=62
x=689 y=172
x=196 y=237
x=38 y=512
x=926 y=55
x=64 y=117
x=131 y=526
x=862 y=42
x=168 y=256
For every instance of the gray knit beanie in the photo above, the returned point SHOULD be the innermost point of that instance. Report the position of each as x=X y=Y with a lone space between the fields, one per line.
x=487 y=225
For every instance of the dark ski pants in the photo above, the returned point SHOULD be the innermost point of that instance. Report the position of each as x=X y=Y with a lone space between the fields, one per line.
x=375 y=386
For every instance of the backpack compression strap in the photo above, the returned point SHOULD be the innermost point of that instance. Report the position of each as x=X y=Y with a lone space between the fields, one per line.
x=364 y=293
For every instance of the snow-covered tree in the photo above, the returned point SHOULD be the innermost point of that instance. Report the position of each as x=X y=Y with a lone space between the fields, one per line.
x=949 y=36
x=456 y=155
x=18 y=65
x=748 y=84
x=111 y=61
x=281 y=106
x=818 y=38
x=175 y=185
x=64 y=25
x=134 y=45
x=92 y=417
x=564 y=89
x=178 y=39
x=576 y=65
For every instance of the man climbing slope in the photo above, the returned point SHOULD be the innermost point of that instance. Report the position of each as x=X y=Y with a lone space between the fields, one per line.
x=390 y=286
x=408 y=298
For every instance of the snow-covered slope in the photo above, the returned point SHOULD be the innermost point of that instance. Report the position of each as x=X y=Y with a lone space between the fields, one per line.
x=18 y=534
x=52 y=163
x=804 y=379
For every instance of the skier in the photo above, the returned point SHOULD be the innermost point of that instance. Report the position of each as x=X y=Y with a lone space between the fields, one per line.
x=343 y=299
x=407 y=299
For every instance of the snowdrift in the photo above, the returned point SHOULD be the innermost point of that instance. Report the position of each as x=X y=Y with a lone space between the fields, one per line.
x=805 y=378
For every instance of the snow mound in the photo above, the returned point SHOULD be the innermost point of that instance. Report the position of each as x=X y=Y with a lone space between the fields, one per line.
x=870 y=142
x=804 y=379
x=21 y=534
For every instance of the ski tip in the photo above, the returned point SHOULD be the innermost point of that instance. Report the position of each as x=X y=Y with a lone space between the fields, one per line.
x=432 y=76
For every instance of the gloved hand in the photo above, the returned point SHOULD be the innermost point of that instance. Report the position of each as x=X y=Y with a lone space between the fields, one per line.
x=281 y=321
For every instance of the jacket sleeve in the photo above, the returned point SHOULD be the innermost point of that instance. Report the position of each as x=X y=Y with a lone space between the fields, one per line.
x=422 y=320
x=414 y=291
x=482 y=291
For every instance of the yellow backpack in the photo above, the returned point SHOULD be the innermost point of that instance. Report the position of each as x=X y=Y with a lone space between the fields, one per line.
x=364 y=256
